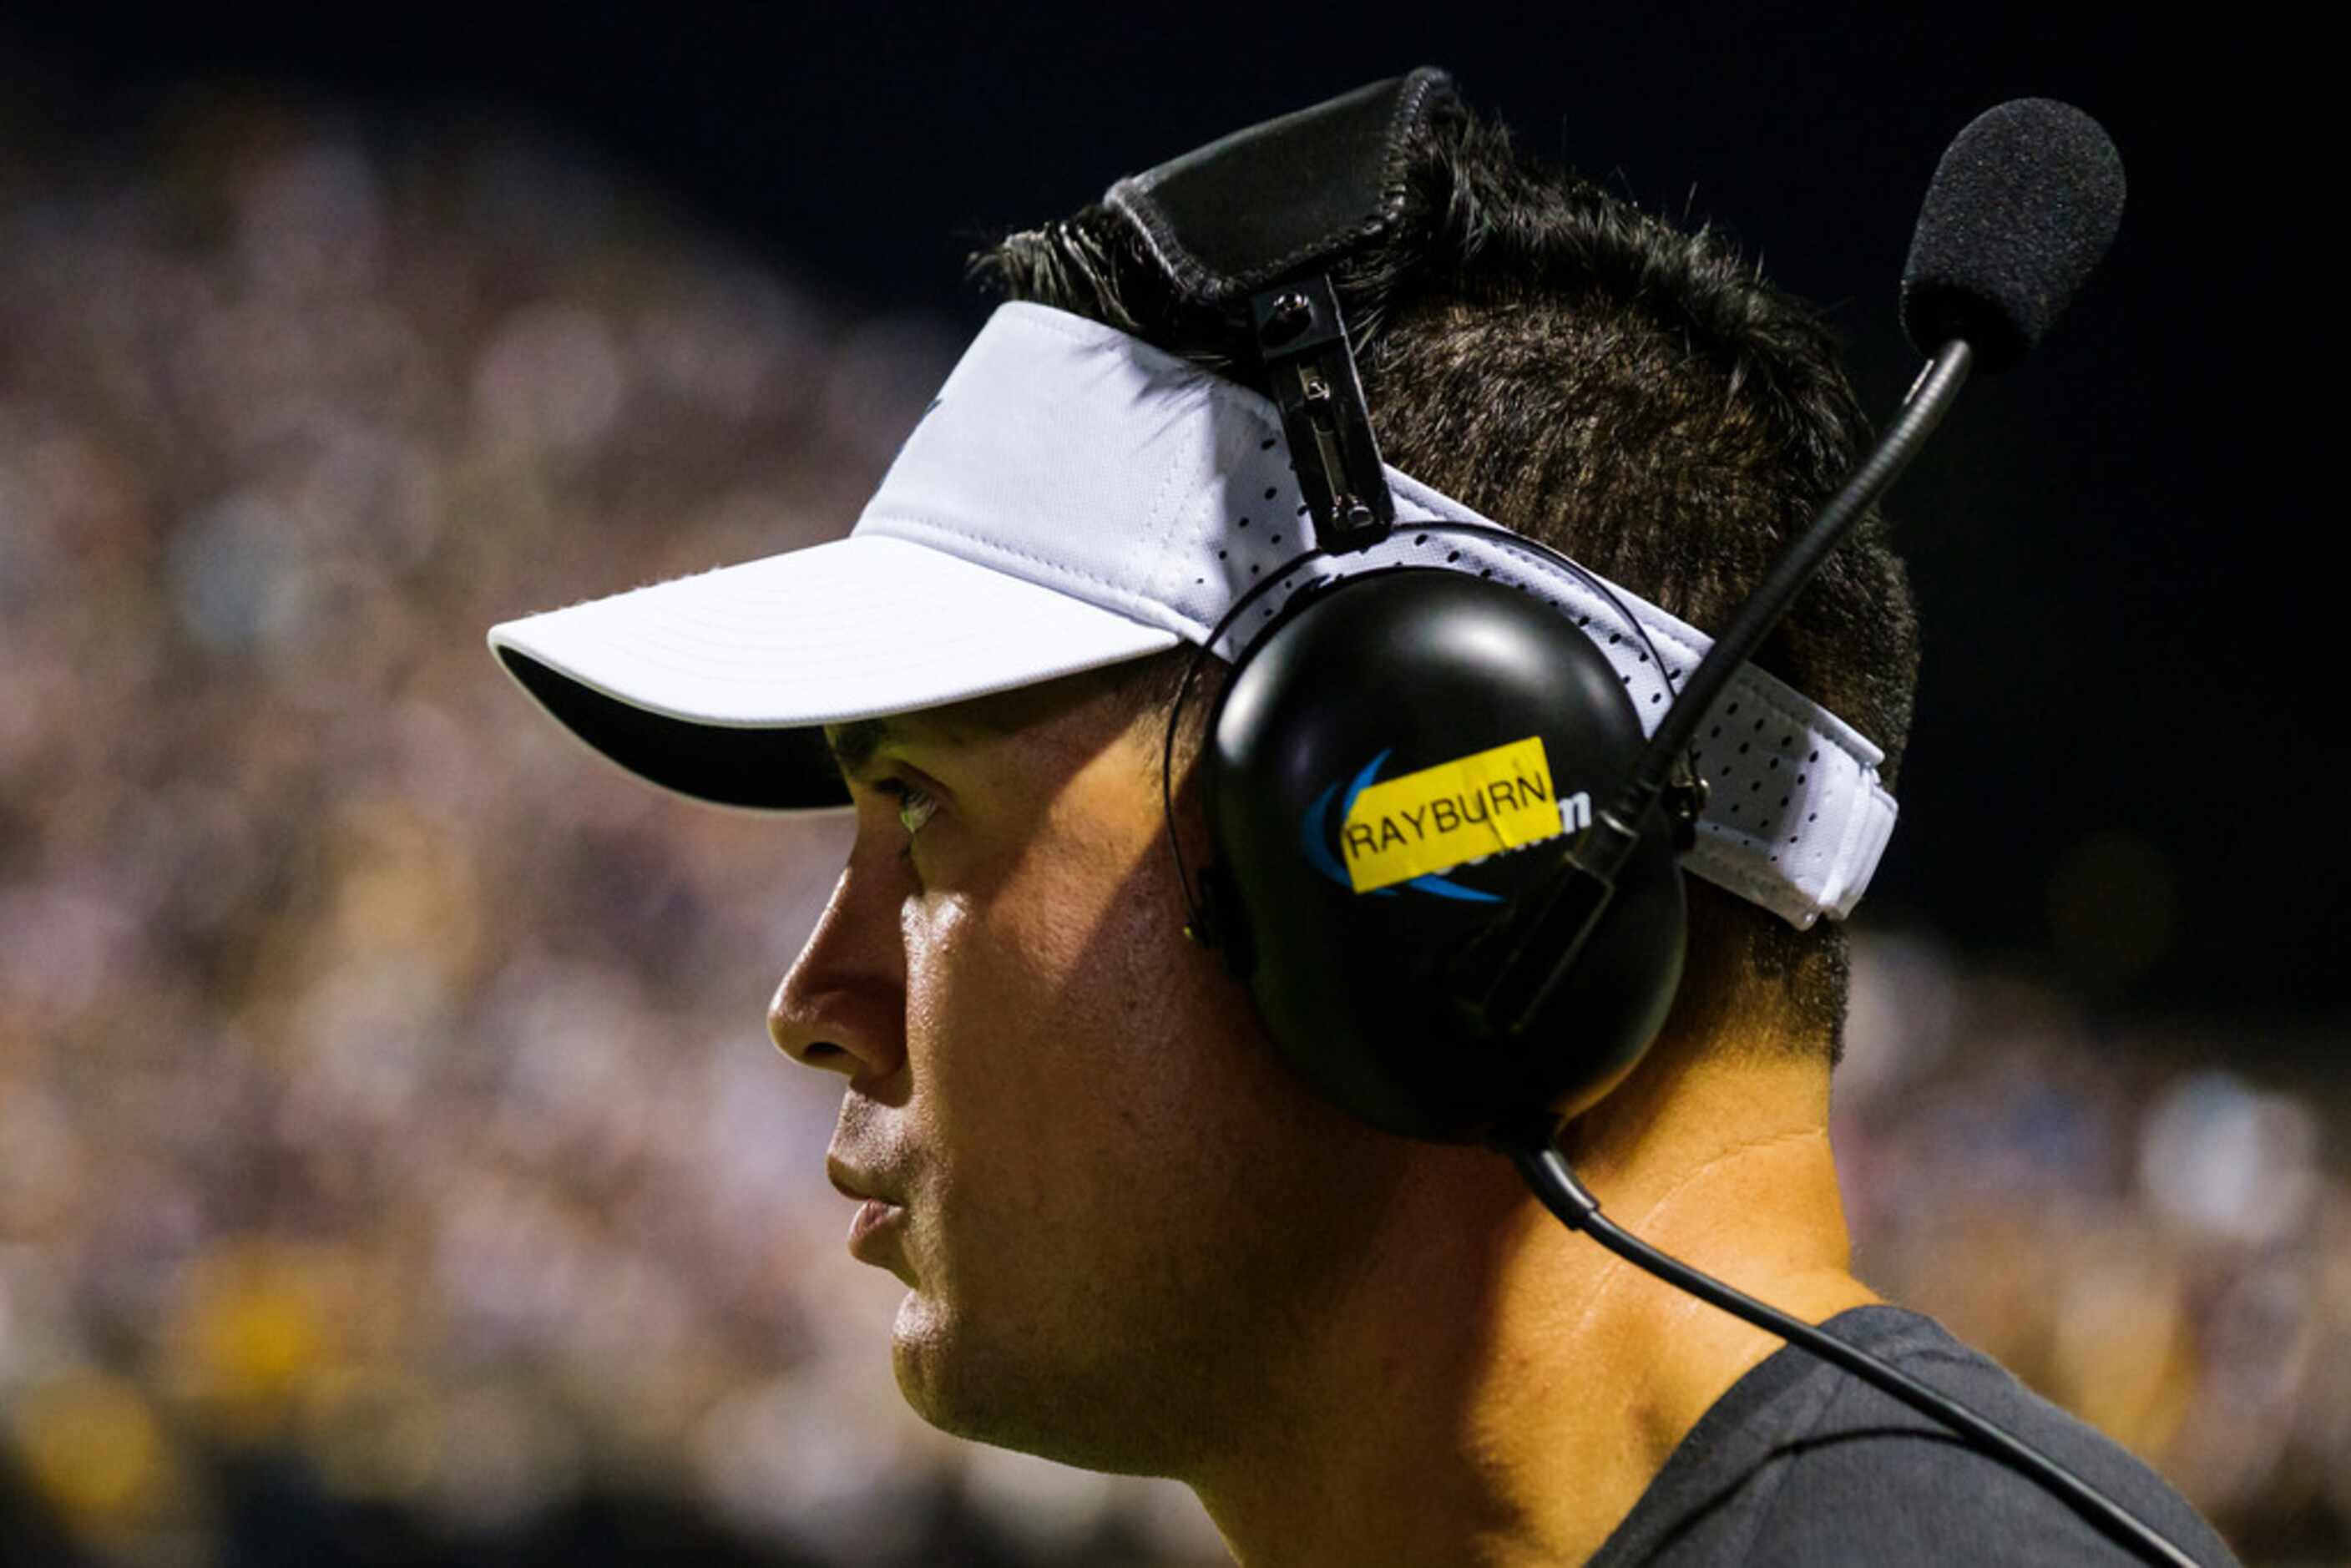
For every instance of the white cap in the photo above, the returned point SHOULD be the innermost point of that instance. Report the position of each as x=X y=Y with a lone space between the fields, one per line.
x=1075 y=498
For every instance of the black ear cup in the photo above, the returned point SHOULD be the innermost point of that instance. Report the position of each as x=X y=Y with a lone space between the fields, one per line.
x=1378 y=728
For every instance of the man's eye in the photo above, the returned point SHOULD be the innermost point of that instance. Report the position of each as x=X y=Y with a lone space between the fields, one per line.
x=915 y=806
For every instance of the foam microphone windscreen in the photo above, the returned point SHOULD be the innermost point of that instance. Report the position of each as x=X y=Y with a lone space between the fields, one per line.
x=2024 y=204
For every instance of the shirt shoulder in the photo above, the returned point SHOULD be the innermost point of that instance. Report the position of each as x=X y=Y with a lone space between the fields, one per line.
x=1801 y=1462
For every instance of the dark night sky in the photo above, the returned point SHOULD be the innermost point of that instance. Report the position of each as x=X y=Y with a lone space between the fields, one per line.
x=2117 y=641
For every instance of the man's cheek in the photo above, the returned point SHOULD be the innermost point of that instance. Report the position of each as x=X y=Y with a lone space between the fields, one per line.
x=1050 y=919
x=936 y=933
x=977 y=972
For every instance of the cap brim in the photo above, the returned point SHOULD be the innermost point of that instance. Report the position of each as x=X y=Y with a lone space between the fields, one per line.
x=717 y=686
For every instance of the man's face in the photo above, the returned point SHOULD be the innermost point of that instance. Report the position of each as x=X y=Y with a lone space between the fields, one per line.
x=1120 y=1210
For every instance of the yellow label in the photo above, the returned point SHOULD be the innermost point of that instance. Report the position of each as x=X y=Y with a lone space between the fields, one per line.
x=1460 y=810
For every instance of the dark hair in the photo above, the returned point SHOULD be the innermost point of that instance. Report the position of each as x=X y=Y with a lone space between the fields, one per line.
x=1628 y=393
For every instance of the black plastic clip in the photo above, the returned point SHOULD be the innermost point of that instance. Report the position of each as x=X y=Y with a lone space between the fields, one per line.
x=1684 y=801
x=1310 y=370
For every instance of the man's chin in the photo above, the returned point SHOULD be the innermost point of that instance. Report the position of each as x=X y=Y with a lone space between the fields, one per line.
x=946 y=1379
x=922 y=1359
x=964 y=1385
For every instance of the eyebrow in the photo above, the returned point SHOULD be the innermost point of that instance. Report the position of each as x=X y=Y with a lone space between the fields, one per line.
x=854 y=744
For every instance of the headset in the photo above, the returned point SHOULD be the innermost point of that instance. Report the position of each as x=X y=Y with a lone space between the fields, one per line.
x=1520 y=996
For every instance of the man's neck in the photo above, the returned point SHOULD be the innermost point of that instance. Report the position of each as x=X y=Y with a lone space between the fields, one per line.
x=1495 y=1390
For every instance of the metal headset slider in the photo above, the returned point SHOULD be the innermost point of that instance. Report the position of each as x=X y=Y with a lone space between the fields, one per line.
x=1260 y=217
x=1309 y=371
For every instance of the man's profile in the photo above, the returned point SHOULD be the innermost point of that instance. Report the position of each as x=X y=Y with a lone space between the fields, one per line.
x=1133 y=1239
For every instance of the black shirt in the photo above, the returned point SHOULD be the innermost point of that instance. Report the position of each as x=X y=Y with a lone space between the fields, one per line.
x=1804 y=1463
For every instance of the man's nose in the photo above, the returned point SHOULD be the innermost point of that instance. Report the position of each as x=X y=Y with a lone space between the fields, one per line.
x=841 y=1006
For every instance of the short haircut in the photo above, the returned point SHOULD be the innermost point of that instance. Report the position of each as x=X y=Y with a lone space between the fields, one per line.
x=1625 y=391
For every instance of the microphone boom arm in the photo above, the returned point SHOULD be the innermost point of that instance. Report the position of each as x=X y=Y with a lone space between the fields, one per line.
x=1931 y=396
x=1502 y=979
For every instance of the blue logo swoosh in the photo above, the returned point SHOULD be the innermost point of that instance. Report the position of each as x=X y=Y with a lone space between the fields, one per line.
x=1317 y=854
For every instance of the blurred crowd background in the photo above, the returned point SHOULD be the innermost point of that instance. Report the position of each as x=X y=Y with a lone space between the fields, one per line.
x=393 y=1163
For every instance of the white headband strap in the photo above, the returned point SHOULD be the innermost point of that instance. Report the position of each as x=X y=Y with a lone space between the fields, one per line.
x=1076 y=457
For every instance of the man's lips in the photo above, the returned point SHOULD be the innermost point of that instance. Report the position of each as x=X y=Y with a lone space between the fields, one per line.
x=850 y=1181
x=872 y=1217
x=874 y=1212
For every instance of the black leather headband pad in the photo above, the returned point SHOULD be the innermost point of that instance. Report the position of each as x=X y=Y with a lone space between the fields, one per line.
x=1246 y=209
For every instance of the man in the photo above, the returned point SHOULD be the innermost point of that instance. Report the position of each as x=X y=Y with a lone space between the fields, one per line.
x=1133 y=1237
